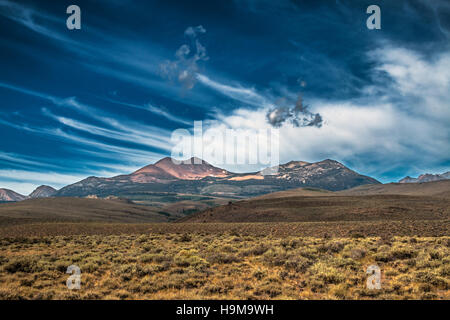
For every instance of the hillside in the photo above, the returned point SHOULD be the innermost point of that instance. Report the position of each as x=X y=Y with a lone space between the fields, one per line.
x=43 y=192
x=76 y=209
x=428 y=201
x=9 y=195
x=435 y=189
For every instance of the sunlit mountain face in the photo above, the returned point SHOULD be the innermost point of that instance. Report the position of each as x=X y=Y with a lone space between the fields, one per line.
x=106 y=99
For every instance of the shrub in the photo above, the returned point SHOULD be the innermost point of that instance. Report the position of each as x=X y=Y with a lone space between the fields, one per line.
x=185 y=237
x=26 y=265
x=223 y=258
x=299 y=264
x=275 y=257
x=152 y=257
x=256 y=250
x=189 y=258
x=270 y=289
x=325 y=273
x=259 y=274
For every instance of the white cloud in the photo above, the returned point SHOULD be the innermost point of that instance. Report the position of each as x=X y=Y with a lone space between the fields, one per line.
x=14 y=179
x=242 y=94
x=407 y=127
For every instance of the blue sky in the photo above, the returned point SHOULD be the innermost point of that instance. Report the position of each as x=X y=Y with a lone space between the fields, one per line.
x=104 y=100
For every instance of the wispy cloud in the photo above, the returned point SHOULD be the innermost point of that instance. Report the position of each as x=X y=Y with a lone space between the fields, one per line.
x=126 y=134
x=184 y=69
x=239 y=93
x=27 y=17
x=15 y=179
x=155 y=110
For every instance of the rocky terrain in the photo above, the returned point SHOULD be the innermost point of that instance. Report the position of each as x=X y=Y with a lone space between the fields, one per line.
x=9 y=195
x=427 y=177
x=43 y=192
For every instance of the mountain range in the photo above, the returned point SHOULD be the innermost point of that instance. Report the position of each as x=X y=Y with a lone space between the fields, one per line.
x=43 y=191
x=427 y=177
x=169 y=178
x=195 y=176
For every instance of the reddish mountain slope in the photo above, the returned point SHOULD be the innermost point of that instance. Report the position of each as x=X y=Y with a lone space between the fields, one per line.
x=191 y=169
x=9 y=195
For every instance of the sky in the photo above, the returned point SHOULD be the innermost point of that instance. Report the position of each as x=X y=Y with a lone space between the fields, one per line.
x=106 y=99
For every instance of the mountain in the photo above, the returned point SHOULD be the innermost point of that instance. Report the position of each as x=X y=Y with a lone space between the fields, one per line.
x=197 y=177
x=9 y=195
x=327 y=174
x=427 y=177
x=439 y=189
x=43 y=192
x=169 y=168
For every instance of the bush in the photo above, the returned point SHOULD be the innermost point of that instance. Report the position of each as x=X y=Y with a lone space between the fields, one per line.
x=275 y=257
x=256 y=250
x=151 y=257
x=189 y=258
x=299 y=264
x=325 y=273
x=223 y=258
x=26 y=265
x=184 y=238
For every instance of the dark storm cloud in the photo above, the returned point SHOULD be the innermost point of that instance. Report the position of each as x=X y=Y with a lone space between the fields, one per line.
x=298 y=116
x=185 y=67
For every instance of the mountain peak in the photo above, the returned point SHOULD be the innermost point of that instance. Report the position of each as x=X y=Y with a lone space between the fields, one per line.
x=43 y=192
x=169 y=168
x=9 y=195
x=426 y=177
x=192 y=160
x=190 y=169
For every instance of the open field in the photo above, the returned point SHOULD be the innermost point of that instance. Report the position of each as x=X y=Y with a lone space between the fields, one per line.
x=78 y=209
x=225 y=266
x=354 y=229
x=155 y=208
x=298 y=244
x=328 y=208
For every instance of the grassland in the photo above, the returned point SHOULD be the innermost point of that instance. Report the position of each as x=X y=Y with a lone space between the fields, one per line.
x=228 y=265
x=299 y=244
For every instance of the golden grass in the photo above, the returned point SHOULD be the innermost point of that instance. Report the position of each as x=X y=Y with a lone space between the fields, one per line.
x=229 y=265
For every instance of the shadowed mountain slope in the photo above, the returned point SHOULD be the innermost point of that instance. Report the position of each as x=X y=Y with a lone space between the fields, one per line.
x=428 y=201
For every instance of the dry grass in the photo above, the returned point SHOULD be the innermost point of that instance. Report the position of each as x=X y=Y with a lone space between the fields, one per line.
x=384 y=229
x=229 y=265
x=327 y=207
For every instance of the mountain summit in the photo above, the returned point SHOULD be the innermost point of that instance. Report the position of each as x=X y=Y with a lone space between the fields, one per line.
x=427 y=177
x=190 y=169
x=43 y=192
x=9 y=195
